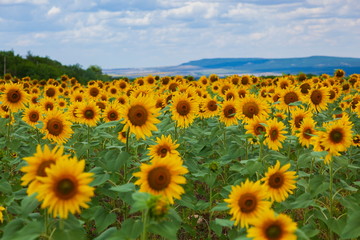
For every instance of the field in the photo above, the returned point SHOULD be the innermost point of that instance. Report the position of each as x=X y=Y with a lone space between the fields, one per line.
x=239 y=157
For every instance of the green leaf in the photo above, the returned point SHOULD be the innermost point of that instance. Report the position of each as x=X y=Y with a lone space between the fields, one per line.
x=107 y=125
x=5 y=187
x=130 y=229
x=128 y=187
x=165 y=229
x=103 y=219
x=216 y=228
x=32 y=230
x=220 y=207
x=141 y=199
x=28 y=204
x=224 y=222
x=69 y=234
x=100 y=179
x=352 y=227
x=302 y=201
x=106 y=234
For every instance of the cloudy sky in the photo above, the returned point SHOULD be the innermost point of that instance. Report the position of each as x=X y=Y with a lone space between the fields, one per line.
x=146 y=33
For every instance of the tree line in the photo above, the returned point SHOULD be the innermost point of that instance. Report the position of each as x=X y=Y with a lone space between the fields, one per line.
x=39 y=68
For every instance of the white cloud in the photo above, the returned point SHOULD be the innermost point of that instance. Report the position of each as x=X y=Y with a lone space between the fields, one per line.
x=37 y=2
x=53 y=11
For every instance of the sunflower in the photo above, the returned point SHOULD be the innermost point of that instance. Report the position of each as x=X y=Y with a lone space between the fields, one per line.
x=338 y=135
x=318 y=99
x=279 y=182
x=48 y=104
x=229 y=113
x=88 y=113
x=77 y=96
x=50 y=91
x=112 y=112
x=356 y=140
x=210 y=106
x=247 y=202
x=273 y=227
x=306 y=131
x=256 y=126
x=275 y=131
x=184 y=109
x=297 y=116
x=14 y=96
x=37 y=164
x=56 y=127
x=164 y=147
x=251 y=106
x=140 y=116
x=72 y=109
x=66 y=187
x=162 y=177
x=122 y=136
x=32 y=115
x=1 y=214
x=94 y=92
x=288 y=97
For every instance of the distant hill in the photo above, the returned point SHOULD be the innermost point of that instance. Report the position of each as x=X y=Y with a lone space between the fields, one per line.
x=257 y=66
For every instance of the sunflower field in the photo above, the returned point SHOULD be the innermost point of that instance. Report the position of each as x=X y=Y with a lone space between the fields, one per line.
x=238 y=157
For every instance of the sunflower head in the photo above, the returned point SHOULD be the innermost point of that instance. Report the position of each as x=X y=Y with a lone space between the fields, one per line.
x=14 y=96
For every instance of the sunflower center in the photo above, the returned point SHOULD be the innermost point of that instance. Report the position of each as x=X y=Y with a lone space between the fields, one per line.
x=291 y=97
x=247 y=203
x=112 y=116
x=66 y=189
x=316 y=97
x=305 y=87
x=230 y=96
x=212 y=105
x=274 y=134
x=229 y=111
x=331 y=94
x=78 y=99
x=94 y=91
x=13 y=96
x=122 y=85
x=41 y=169
x=224 y=89
x=55 y=126
x=307 y=133
x=50 y=92
x=113 y=91
x=89 y=114
x=297 y=121
x=159 y=178
x=273 y=232
x=137 y=115
x=250 y=109
x=336 y=135
x=183 y=108
x=34 y=117
x=276 y=180
x=162 y=151
x=259 y=129
x=49 y=106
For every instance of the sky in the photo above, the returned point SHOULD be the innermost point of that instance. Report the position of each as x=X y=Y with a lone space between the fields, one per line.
x=149 y=33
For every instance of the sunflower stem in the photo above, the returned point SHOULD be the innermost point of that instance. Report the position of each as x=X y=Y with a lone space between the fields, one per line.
x=127 y=139
x=331 y=235
x=88 y=141
x=211 y=213
x=46 y=220
x=145 y=223
x=61 y=224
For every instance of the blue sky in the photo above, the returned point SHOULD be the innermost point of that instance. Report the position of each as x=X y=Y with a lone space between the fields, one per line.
x=146 y=33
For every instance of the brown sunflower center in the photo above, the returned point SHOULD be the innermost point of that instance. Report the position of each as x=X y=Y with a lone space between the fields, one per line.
x=332 y=94
x=41 y=169
x=307 y=133
x=250 y=109
x=66 y=188
x=274 y=133
x=316 y=97
x=212 y=106
x=49 y=106
x=113 y=90
x=259 y=129
x=55 y=126
x=224 y=89
x=183 y=107
x=159 y=178
x=138 y=115
x=78 y=98
x=112 y=116
x=276 y=180
x=122 y=85
x=173 y=86
x=273 y=232
x=336 y=135
x=229 y=111
x=13 y=96
x=163 y=150
x=305 y=87
x=94 y=91
x=34 y=116
x=290 y=97
x=298 y=120
x=247 y=203
x=89 y=114
x=50 y=92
